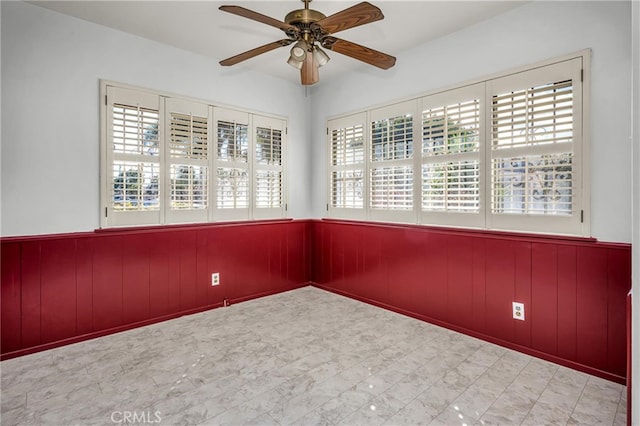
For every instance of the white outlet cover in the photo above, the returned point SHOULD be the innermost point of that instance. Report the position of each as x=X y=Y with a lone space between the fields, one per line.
x=215 y=279
x=518 y=311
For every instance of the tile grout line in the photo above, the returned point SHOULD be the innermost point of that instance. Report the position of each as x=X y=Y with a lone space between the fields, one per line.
x=505 y=389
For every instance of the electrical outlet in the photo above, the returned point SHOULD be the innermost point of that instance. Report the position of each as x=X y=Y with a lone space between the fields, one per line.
x=215 y=278
x=518 y=311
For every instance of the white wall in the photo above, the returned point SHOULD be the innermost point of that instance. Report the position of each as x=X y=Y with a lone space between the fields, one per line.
x=51 y=66
x=534 y=32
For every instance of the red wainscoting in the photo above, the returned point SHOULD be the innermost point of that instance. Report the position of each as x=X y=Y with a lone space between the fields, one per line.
x=60 y=289
x=574 y=289
x=65 y=288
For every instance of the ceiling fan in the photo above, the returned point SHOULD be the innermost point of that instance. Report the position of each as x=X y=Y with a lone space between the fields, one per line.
x=310 y=29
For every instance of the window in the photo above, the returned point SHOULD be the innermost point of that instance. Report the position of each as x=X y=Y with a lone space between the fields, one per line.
x=232 y=192
x=506 y=153
x=452 y=136
x=187 y=161
x=346 y=152
x=172 y=160
x=133 y=160
x=391 y=162
x=535 y=154
x=268 y=175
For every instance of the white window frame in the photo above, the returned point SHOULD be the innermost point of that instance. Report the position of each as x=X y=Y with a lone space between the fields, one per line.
x=134 y=99
x=445 y=99
x=277 y=125
x=553 y=70
x=554 y=224
x=349 y=122
x=185 y=107
x=408 y=108
x=235 y=117
x=165 y=103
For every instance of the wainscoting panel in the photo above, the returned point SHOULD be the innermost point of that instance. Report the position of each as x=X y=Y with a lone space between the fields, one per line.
x=574 y=289
x=58 y=289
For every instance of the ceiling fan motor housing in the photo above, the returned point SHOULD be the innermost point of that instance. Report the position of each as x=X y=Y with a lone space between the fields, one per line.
x=304 y=19
x=303 y=16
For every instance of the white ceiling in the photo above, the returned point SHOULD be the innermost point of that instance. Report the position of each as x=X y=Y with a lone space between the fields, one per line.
x=199 y=26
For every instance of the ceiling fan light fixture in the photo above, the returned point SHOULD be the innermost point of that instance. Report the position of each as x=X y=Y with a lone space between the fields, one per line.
x=320 y=57
x=298 y=54
x=295 y=63
x=299 y=50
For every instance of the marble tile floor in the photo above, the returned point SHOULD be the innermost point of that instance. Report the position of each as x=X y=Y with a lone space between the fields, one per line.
x=304 y=357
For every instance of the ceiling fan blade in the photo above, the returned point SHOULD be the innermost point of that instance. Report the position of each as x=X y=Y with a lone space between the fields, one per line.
x=309 y=71
x=246 y=13
x=362 y=53
x=255 y=52
x=360 y=14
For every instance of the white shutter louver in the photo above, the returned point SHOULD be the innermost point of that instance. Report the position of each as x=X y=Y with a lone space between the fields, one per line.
x=451 y=187
x=539 y=120
x=189 y=137
x=233 y=188
x=268 y=182
x=392 y=138
x=232 y=164
x=347 y=146
x=135 y=186
x=533 y=184
x=347 y=158
x=535 y=116
x=391 y=154
x=347 y=189
x=268 y=189
x=135 y=130
x=451 y=129
x=268 y=170
x=189 y=171
x=135 y=134
x=189 y=187
x=132 y=157
x=233 y=139
x=535 y=151
x=346 y=138
x=268 y=146
x=392 y=188
x=450 y=154
x=187 y=181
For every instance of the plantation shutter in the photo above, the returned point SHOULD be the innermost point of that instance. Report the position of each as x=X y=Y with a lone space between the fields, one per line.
x=391 y=154
x=268 y=177
x=131 y=193
x=187 y=158
x=536 y=149
x=452 y=138
x=166 y=159
x=347 y=186
x=232 y=159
